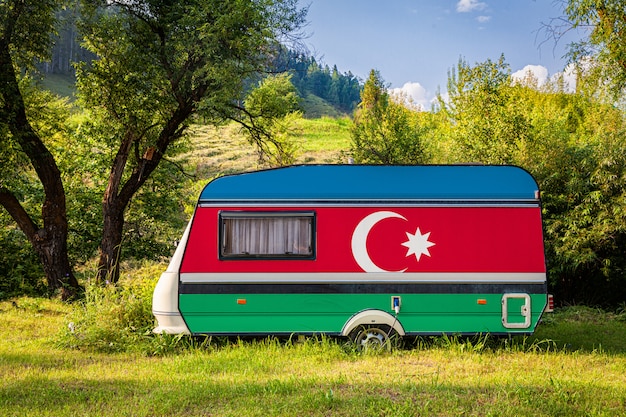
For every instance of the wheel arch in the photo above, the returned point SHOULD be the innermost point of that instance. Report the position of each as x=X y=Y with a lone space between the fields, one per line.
x=371 y=317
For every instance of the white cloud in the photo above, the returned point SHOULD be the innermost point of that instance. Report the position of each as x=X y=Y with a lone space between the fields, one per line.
x=483 y=19
x=537 y=73
x=567 y=78
x=466 y=6
x=413 y=95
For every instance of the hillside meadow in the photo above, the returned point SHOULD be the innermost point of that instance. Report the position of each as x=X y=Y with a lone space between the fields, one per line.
x=224 y=150
x=98 y=356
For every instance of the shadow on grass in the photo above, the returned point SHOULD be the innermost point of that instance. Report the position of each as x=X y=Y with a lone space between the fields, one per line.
x=184 y=394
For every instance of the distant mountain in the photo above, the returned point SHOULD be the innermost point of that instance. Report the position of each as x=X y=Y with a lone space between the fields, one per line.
x=325 y=91
x=340 y=91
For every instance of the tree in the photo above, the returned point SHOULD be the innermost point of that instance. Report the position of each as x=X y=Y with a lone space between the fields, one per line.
x=584 y=199
x=159 y=63
x=573 y=145
x=340 y=90
x=605 y=47
x=24 y=35
x=66 y=49
x=490 y=126
x=271 y=108
x=384 y=131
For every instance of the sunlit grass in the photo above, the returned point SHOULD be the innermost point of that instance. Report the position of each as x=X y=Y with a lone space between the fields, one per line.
x=311 y=377
x=324 y=140
x=225 y=150
x=585 y=328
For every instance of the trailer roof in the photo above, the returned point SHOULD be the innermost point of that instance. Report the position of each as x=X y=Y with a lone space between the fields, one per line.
x=375 y=182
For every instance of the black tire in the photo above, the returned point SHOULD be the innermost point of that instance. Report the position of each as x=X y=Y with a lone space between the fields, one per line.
x=372 y=337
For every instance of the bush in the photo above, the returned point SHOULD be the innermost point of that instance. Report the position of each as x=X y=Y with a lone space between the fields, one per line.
x=115 y=317
x=20 y=269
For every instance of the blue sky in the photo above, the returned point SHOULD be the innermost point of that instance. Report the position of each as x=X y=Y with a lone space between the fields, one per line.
x=414 y=43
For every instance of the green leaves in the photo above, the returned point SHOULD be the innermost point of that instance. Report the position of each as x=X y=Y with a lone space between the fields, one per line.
x=271 y=109
x=574 y=146
x=160 y=63
x=25 y=28
x=490 y=121
x=275 y=97
x=604 y=50
x=385 y=131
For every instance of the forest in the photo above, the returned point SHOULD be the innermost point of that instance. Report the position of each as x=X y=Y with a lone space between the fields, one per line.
x=309 y=76
x=105 y=177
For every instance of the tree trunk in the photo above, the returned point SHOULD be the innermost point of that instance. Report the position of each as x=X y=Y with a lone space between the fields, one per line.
x=50 y=240
x=118 y=194
x=111 y=243
x=114 y=203
x=53 y=255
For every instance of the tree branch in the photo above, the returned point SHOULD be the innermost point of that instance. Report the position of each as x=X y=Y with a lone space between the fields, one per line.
x=180 y=168
x=17 y=212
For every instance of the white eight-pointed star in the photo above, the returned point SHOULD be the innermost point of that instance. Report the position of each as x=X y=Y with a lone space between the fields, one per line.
x=418 y=244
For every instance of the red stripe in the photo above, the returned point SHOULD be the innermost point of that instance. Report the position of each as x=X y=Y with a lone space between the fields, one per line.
x=466 y=239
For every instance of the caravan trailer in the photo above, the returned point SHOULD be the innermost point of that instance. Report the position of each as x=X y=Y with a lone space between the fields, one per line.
x=361 y=251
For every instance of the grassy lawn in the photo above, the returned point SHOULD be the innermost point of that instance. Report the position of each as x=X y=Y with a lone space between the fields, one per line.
x=579 y=371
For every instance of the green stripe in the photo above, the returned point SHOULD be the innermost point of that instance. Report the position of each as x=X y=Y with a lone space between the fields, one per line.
x=327 y=313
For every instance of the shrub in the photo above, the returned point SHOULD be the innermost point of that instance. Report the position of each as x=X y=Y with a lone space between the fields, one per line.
x=20 y=269
x=114 y=317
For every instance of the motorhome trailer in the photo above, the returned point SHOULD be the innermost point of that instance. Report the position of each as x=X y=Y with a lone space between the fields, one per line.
x=362 y=251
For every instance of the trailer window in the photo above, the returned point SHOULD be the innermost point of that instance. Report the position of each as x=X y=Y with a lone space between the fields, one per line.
x=250 y=235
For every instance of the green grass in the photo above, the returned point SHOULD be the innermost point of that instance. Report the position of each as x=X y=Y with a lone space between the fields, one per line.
x=315 y=107
x=586 y=329
x=225 y=150
x=568 y=375
x=107 y=363
x=323 y=140
x=63 y=85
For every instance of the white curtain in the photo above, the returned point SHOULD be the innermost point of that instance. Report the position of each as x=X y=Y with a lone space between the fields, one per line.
x=267 y=236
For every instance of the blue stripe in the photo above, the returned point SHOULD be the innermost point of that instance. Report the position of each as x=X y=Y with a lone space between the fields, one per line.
x=378 y=182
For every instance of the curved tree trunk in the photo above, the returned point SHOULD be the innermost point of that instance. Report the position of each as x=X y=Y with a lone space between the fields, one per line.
x=119 y=194
x=53 y=255
x=49 y=240
x=113 y=215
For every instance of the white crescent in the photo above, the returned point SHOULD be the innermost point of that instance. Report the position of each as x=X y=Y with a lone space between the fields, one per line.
x=359 y=240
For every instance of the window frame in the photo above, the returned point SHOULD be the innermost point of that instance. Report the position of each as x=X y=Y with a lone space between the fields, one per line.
x=244 y=214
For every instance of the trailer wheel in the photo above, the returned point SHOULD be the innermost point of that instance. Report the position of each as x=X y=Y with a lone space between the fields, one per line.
x=372 y=336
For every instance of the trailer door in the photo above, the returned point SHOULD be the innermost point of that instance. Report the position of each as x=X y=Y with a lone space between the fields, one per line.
x=516 y=311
